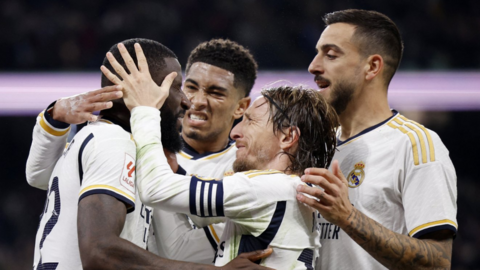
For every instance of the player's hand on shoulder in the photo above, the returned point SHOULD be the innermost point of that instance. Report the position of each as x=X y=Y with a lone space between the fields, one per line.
x=79 y=109
x=138 y=86
x=246 y=260
x=331 y=199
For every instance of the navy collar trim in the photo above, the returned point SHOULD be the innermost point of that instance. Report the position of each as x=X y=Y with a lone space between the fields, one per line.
x=195 y=155
x=339 y=142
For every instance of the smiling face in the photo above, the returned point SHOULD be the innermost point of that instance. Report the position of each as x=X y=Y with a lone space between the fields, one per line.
x=338 y=65
x=257 y=144
x=215 y=103
x=174 y=107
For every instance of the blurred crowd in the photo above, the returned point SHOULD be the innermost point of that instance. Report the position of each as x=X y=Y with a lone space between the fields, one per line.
x=74 y=35
x=69 y=35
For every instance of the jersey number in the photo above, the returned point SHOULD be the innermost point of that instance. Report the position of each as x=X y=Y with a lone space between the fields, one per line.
x=51 y=222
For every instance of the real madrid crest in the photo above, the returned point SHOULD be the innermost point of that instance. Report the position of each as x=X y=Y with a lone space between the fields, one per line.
x=356 y=176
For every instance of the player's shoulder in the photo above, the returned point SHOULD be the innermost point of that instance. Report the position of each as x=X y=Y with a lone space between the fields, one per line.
x=105 y=130
x=261 y=173
x=413 y=137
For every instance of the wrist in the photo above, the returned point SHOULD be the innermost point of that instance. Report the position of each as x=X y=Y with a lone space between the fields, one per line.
x=348 y=220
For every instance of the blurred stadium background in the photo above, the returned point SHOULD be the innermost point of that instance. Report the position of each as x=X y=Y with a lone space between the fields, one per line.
x=53 y=48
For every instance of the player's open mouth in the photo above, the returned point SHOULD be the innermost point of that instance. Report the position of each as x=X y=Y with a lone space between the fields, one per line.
x=198 y=117
x=323 y=84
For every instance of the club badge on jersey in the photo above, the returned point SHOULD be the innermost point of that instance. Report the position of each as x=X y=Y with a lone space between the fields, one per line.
x=356 y=176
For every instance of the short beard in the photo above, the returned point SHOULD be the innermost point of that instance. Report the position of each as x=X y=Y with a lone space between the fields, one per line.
x=171 y=139
x=341 y=95
x=243 y=164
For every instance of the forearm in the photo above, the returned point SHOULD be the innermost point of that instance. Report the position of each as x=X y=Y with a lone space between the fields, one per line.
x=122 y=254
x=49 y=139
x=158 y=186
x=397 y=251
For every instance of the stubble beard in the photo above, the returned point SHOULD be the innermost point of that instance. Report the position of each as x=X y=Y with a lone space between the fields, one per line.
x=341 y=95
x=243 y=164
x=171 y=139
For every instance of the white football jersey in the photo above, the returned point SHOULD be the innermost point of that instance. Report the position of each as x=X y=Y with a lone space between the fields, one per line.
x=176 y=237
x=99 y=160
x=260 y=206
x=399 y=174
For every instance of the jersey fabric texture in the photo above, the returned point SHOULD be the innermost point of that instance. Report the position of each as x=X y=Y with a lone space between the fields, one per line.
x=99 y=160
x=399 y=174
x=260 y=206
x=175 y=236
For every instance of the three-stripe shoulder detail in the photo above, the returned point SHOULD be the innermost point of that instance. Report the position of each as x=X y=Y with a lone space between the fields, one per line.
x=423 y=149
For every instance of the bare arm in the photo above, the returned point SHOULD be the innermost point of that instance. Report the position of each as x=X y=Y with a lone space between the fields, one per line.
x=393 y=250
x=100 y=222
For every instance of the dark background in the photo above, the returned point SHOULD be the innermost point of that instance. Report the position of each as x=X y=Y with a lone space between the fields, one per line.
x=68 y=35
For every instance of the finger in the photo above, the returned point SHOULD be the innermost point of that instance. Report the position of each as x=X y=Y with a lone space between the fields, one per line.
x=87 y=117
x=318 y=193
x=107 y=96
x=127 y=58
x=338 y=173
x=110 y=76
x=106 y=89
x=258 y=254
x=98 y=106
x=142 y=60
x=167 y=82
x=313 y=203
x=116 y=66
x=324 y=173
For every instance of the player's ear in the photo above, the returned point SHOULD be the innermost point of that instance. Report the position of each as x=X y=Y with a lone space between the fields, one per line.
x=374 y=66
x=242 y=106
x=289 y=137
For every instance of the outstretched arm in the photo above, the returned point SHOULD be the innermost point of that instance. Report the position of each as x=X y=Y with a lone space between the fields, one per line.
x=51 y=130
x=100 y=221
x=393 y=250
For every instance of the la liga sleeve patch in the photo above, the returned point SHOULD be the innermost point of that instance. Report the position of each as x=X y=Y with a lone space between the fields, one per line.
x=127 y=179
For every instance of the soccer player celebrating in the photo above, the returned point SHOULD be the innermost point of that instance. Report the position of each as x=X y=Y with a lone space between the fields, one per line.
x=219 y=77
x=396 y=205
x=91 y=185
x=275 y=142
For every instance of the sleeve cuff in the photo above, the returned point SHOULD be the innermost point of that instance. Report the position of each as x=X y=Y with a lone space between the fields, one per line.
x=117 y=194
x=54 y=123
x=445 y=224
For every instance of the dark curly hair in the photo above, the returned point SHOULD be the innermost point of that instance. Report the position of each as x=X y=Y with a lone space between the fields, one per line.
x=306 y=109
x=228 y=55
x=154 y=51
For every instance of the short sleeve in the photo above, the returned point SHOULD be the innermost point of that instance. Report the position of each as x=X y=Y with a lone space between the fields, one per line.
x=107 y=166
x=430 y=194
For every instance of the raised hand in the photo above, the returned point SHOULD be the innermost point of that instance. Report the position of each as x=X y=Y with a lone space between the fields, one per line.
x=332 y=202
x=138 y=87
x=79 y=108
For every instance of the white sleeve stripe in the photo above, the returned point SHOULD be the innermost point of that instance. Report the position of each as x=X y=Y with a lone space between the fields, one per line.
x=198 y=191
x=214 y=209
x=206 y=197
x=206 y=200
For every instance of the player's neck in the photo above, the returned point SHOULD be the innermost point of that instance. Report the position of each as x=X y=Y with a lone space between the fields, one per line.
x=367 y=109
x=210 y=146
x=279 y=163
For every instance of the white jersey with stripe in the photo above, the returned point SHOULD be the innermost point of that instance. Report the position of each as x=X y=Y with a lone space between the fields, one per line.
x=399 y=174
x=260 y=206
x=176 y=237
x=99 y=160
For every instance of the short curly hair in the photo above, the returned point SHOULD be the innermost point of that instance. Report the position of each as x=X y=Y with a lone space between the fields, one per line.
x=228 y=55
x=154 y=51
